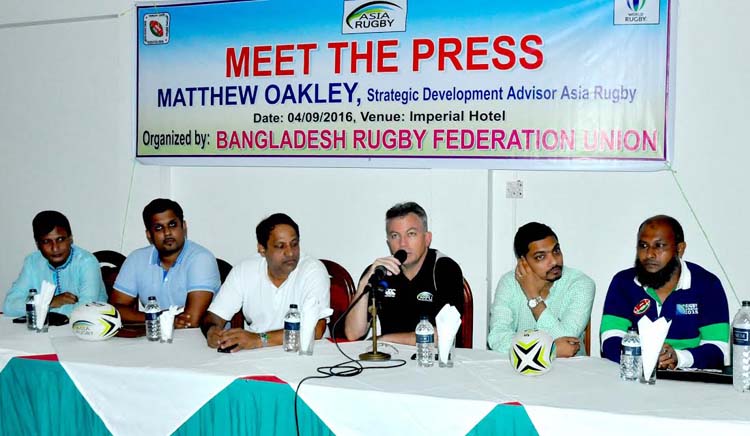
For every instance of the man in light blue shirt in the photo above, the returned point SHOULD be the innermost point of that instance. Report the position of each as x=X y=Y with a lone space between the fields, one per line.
x=174 y=270
x=74 y=271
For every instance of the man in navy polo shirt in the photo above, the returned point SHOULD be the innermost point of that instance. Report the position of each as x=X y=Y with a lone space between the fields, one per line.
x=420 y=285
x=663 y=285
x=177 y=271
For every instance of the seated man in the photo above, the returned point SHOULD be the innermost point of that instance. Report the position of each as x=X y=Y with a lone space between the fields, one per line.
x=663 y=285
x=177 y=271
x=419 y=286
x=72 y=269
x=541 y=294
x=264 y=286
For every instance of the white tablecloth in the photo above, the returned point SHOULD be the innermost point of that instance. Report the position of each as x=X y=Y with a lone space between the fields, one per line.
x=578 y=396
x=17 y=340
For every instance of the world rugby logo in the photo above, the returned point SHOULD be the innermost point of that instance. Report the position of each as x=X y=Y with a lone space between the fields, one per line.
x=636 y=5
x=531 y=352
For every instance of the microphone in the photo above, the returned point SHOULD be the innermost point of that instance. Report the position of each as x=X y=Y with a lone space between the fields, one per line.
x=380 y=271
x=378 y=285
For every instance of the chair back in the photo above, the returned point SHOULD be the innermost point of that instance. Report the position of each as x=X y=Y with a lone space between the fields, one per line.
x=224 y=269
x=110 y=263
x=587 y=338
x=465 y=340
x=342 y=289
x=238 y=319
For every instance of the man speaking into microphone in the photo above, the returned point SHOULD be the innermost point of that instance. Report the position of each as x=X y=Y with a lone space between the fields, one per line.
x=419 y=285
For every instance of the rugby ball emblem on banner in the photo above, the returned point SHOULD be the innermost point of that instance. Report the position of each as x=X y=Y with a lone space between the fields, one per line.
x=95 y=321
x=531 y=352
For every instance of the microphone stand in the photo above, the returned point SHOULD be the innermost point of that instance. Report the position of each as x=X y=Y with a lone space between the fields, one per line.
x=374 y=355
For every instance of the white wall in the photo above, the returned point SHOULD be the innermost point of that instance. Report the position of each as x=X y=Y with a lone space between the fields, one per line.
x=66 y=123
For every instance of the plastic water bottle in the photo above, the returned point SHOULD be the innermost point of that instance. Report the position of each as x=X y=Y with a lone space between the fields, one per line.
x=425 y=341
x=31 y=310
x=631 y=363
x=291 y=328
x=741 y=349
x=153 y=325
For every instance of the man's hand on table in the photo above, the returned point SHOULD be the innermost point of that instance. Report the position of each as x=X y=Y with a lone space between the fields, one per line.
x=244 y=339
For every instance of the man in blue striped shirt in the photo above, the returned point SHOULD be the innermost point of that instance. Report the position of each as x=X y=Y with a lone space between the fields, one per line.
x=74 y=271
x=663 y=285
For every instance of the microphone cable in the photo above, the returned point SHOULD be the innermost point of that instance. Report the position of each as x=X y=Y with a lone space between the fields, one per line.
x=349 y=368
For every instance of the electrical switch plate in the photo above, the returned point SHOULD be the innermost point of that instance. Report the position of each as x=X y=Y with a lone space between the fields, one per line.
x=514 y=189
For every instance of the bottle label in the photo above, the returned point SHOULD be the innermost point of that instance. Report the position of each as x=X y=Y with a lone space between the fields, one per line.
x=152 y=316
x=631 y=351
x=740 y=336
x=29 y=307
x=425 y=339
x=291 y=325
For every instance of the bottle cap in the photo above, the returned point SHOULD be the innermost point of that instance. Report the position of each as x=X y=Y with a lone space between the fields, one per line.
x=153 y=297
x=292 y=306
x=745 y=303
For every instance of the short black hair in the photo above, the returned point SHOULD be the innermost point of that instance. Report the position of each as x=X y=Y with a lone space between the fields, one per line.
x=529 y=233
x=159 y=205
x=46 y=221
x=679 y=234
x=402 y=209
x=264 y=228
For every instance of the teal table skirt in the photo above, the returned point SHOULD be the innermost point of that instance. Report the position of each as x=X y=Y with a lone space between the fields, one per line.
x=38 y=398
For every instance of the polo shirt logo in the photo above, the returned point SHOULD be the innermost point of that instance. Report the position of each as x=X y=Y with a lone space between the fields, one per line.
x=425 y=296
x=687 y=309
x=390 y=293
x=642 y=306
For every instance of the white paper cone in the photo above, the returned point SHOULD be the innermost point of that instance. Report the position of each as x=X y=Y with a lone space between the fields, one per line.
x=448 y=321
x=652 y=336
x=42 y=302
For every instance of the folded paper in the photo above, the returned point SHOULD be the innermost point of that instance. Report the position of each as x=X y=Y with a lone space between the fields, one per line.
x=166 y=321
x=652 y=336
x=42 y=302
x=448 y=321
x=309 y=318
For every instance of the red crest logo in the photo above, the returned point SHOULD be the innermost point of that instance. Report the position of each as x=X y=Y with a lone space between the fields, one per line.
x=642 y=306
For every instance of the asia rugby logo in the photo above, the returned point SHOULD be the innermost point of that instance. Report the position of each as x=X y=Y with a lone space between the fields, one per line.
x=368 y=16
x=156 y=28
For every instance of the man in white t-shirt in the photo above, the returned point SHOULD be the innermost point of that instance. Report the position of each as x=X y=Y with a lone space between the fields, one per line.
x=264 y=286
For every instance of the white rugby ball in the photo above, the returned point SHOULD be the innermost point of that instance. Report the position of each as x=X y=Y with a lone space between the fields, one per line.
x=95 y=321
x=531 y=352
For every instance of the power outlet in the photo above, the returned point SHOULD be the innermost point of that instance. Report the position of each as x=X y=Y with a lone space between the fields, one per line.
x=514 y=189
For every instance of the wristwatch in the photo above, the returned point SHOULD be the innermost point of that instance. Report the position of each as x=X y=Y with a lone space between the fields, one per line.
x=263 y=339
x=534 y=302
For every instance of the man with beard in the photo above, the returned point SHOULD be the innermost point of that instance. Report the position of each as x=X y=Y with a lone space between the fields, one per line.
x=541 y=294
x=264 y=286
x=178 y=272
x=663 y=285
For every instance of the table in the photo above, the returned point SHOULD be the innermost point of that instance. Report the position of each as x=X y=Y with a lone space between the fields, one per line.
x=203 y=392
